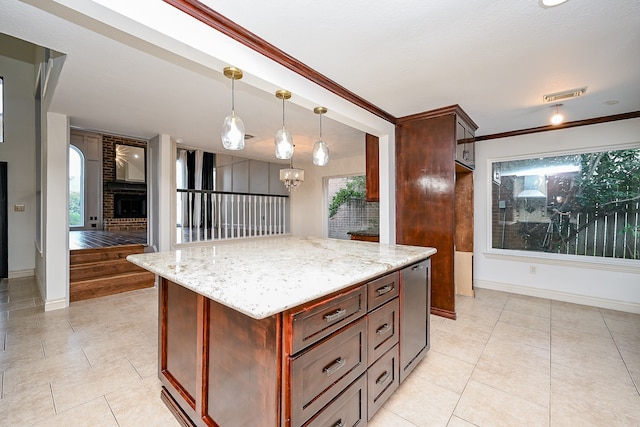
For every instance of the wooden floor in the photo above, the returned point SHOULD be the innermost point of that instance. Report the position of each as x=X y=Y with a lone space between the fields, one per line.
x=90 y=239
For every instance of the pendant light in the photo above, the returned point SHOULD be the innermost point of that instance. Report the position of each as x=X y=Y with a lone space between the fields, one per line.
x=557 y=117
x=320 y=148
x=233 y=129
x=283 y=140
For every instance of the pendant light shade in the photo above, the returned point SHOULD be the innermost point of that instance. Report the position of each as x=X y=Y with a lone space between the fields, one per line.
x=557 y=117
x=320 y=148
x=283 y=139
x=232 y=132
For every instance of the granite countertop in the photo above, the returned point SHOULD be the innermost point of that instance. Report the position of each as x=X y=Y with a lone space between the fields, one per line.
x=264 y=276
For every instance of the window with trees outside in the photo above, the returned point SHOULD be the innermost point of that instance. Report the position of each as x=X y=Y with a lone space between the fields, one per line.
x=579 y=204
x=76 y=187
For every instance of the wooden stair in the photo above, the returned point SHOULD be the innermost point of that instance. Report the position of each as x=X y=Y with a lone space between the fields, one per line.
x=105 y=271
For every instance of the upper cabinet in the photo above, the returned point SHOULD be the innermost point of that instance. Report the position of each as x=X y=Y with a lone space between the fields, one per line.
x=373 y=170
x=465 y=143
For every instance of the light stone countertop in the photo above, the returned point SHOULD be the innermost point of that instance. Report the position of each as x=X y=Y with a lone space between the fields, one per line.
x=264 y=276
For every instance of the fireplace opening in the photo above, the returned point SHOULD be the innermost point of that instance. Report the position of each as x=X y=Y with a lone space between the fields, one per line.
x=129 y=205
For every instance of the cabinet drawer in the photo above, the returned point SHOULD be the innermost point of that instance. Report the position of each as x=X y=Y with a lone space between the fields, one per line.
x=323 y=371
x=316 y=322
x=349 y=409
x=382 y=380
x=382 y=290
x=383 y=329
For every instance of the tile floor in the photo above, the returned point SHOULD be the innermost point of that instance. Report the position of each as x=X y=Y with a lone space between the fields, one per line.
x=509 y=360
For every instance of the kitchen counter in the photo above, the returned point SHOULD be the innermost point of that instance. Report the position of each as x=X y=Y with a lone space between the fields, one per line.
x=308 y=331
x=264 y=276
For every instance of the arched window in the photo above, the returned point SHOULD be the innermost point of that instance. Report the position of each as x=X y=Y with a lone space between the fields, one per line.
x=76 y=187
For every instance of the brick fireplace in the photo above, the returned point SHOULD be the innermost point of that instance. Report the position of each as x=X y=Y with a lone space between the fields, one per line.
x=123 y=204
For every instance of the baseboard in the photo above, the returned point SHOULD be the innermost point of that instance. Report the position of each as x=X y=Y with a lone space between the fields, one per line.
x=443 y=313
x=629 y=307
x=18 y=274
x=55 y=304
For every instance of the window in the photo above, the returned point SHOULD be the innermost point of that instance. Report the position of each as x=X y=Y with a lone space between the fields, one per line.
x=581 y=204
x=1 y=109
x=348 y=210
x=76 y=187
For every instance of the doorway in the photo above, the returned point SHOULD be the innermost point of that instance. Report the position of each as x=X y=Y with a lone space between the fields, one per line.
x=4 y=240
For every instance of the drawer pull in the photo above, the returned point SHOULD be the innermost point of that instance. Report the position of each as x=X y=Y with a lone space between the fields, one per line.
x=339 y=423
x=383 y=329
x=330 y=317
x=383 y=378
x=385 y=289
x=337 y=364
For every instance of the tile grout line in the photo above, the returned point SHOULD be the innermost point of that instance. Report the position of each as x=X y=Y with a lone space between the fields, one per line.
x=87 y=357
x=475 y=364
x=624 y=362
x=111 y=409
x=134 y=368
x=53 y=398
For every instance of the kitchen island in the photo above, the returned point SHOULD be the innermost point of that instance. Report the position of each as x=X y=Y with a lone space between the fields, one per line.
x=288 y=331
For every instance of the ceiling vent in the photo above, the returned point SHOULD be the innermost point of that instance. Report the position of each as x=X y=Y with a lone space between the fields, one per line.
x=566 y=94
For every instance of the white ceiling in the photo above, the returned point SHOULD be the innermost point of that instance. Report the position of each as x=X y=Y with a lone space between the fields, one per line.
x=494 y=58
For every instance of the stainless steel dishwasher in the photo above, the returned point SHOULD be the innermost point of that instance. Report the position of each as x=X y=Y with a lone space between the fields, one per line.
x=415 y=300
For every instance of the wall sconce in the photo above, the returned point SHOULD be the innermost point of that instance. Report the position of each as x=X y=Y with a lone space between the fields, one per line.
x=320 y=148
x=232 y=128
x=283 y=140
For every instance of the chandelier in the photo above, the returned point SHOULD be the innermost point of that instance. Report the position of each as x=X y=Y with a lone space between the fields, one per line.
x=291 y=177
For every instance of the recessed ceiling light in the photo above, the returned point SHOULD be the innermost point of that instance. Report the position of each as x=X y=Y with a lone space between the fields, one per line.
x=612 y=102
x=550 y=3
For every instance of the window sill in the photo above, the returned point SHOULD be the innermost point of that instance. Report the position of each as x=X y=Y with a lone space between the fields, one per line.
x=575 y=261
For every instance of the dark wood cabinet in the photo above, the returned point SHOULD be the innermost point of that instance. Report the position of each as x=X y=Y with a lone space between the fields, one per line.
x=372 y=149
x=426 y=192
x=332 y=361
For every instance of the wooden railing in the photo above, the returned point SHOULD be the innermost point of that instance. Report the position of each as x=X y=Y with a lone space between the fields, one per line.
x=205 y=215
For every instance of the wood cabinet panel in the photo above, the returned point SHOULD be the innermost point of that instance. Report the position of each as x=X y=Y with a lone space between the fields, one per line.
x=372 y=150
x=179 y=340
x=250 y=372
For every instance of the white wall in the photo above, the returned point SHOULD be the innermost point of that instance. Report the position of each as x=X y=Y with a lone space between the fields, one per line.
x=18 y=150
x=586 y=280
x=56 y=211
x=308 y=203
x=162 y=192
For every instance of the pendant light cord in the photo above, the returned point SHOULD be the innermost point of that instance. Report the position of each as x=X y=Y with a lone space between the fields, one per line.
x=283 y=112
x=233 y=95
